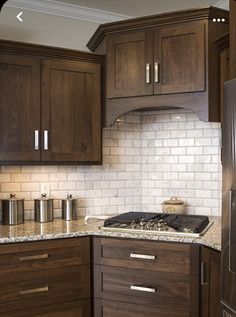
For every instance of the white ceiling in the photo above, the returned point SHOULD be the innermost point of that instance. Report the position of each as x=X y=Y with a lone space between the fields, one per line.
x=136 y=8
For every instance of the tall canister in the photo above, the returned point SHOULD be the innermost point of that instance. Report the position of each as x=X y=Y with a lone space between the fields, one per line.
x=43 y=209
x=69 y=208
x=12 y=210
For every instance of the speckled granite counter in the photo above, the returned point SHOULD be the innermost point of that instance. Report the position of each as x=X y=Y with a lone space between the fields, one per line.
x=31 y=231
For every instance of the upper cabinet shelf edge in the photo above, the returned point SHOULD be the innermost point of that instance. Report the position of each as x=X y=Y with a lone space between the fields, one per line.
x=164 y=61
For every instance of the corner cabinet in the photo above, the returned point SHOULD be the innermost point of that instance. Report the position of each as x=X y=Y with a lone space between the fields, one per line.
x=161 y=62
x=50 y=105
x=145 y=278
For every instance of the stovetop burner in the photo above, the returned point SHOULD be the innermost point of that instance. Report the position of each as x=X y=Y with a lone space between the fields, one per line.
x=176 y=224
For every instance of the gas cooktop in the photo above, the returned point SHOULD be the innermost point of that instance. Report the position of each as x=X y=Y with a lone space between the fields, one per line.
x=158 y=223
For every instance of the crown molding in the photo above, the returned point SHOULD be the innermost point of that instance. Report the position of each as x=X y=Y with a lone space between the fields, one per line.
x=66 y=10
x=223 y=4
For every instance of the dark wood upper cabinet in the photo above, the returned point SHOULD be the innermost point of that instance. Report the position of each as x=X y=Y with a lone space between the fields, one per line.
x=50 y=105
x=163 y=61
x=129 y=57
x=71 y=111
x=19 y=107
x=179 y=59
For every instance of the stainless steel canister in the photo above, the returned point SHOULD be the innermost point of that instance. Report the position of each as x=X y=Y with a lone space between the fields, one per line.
x=12 y=210
x=43 y=209
x=69 y=206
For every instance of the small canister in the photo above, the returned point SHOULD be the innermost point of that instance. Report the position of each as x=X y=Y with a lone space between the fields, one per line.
x=12 y=210
x=43 y=209
x=69 y=206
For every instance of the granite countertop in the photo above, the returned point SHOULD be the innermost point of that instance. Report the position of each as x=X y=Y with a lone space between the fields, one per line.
x=32 y=231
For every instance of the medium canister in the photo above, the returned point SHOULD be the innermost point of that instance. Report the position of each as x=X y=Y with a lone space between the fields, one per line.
x=12 y=210
x=43 y=209
x=69 y=206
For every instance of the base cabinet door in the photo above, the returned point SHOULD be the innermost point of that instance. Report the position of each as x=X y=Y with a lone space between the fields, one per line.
x=210 y=283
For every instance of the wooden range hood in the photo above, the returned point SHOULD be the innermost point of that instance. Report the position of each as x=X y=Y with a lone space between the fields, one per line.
x=163 y=61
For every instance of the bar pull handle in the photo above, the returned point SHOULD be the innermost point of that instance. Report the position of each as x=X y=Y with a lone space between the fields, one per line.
x=203 y=274
x=156 y=72
x=34 y=290
x=45 y=138
x=36 y=140
x=148 y=80
x=142 y=256
x=33 y=257
x=143 y=289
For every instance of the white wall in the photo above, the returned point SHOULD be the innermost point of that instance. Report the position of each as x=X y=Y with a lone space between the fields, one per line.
x=45 y=29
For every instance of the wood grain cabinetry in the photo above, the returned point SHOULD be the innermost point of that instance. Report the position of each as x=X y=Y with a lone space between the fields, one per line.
x=130 y=58
x=71 y=111
x=19 y=107
x=210 y=283
x=179 y=58
x=161 y=62
x=39 y=277
x=147 y=273
x=50 y=105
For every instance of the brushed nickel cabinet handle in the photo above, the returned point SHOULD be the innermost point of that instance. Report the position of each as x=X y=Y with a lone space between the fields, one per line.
x=34 y=290
x=148 y=73
x=203 y=282
x=45 y=138
x=36 y=140
x=142 y=256
x=34 y=257
x=156 y=72
x=143 y=289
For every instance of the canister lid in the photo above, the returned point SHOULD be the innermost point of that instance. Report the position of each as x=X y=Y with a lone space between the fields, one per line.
x=12 y=197
x=43 y=197
x=69 y=197
x=174 y=201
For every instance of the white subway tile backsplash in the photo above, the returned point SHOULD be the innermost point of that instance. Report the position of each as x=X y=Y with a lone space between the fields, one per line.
x=147 y=158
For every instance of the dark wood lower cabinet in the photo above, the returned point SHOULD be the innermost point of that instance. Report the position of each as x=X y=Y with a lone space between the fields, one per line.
x=46 y=278
x=131 y=280
x=210 y=283
x=80 y=308
x=105 y=308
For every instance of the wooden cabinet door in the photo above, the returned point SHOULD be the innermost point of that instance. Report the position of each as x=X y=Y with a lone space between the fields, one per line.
x=71 y=111
x=210 y=283
x=19 y=107
x=179 y=58
x=128 y=58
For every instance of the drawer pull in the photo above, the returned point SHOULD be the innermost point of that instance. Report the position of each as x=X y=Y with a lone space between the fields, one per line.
x=33 y=257
x=142 y=256
x=143 y=289
x=203 y=274
x=34 y=290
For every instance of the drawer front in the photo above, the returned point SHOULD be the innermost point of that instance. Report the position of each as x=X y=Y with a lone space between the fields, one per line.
x=45 y=288
x=148 y=255
x=81 y=308
x=104 y=308
x=22 y=258
x=157 y=289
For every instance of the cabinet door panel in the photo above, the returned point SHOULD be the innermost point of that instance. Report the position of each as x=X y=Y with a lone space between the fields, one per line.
x=19 y=107
x=71 y=111
x=127 y=56
x=180 y=54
